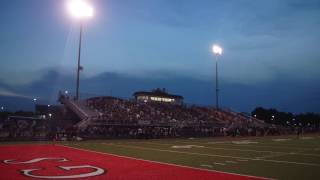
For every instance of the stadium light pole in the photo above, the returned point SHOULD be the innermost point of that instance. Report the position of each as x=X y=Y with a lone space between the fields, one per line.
x=217 y=51
x=81 y=10
x=35 y=103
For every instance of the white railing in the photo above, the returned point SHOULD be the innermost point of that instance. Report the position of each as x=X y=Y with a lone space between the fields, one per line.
x=80 y=109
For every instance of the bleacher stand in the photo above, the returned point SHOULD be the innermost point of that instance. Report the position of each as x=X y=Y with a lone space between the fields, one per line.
x=110 y=116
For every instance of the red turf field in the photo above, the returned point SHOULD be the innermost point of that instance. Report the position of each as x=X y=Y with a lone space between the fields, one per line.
x=59 y=162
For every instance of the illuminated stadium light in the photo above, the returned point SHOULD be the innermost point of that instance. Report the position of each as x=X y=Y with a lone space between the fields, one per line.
x=48 y=105
x=66 y=92
x=217 y=50
x=80 y=9
x=2 y=108
x=35 y=99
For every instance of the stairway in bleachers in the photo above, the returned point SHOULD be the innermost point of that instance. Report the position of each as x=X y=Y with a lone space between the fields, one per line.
x=85 y=114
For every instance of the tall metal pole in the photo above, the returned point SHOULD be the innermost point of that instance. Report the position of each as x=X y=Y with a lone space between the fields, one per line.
x=79 y=66
x=217 y=84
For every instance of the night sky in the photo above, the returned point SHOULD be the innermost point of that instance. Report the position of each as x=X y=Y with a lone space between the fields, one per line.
x=271 y=52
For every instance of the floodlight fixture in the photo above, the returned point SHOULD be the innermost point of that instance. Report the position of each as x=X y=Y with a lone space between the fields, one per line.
x=217 y=50
x=80 y=9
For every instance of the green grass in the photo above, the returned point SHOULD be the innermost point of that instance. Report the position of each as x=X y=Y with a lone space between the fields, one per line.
x=291 y=158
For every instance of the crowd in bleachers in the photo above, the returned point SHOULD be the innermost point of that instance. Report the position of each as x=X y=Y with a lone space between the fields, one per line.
x=152 y=119
x=114 y=110
x=20 y=129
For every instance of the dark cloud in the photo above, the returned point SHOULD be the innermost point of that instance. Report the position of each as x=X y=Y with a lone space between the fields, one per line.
x=309 y=5
x=295 y=96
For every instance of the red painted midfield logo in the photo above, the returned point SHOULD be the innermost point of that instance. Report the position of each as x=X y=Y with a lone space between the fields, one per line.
x=59 y=162
x=32 y=172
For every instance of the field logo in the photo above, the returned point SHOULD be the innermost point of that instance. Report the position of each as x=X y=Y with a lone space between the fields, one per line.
x=28 y=172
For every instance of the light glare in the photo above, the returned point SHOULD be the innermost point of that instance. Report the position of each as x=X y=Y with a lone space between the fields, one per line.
x=217 y=49
x=80 y=9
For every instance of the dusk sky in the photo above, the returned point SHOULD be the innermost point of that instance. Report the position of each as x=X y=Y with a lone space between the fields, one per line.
x=268 y=44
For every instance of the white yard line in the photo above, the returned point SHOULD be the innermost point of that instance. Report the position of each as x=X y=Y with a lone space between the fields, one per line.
x=232 y=162
x=218 y=142
x=206 y=165
x=214 y=155
x=245 y=160
x=286 y=145
x=244 y=150
x=222 y=164
x=250 y=145
x=261 y=145
x=157 y=162
x=306 y=154
x=272 y=156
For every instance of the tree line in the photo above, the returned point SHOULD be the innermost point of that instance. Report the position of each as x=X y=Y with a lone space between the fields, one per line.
x=273 y=116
